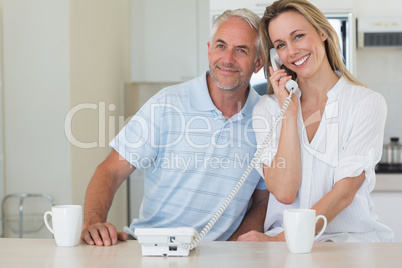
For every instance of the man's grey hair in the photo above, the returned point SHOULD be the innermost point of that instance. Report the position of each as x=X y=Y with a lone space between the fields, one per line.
x=242 y=13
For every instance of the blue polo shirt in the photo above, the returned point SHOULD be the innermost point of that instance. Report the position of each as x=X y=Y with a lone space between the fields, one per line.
x=193 y=157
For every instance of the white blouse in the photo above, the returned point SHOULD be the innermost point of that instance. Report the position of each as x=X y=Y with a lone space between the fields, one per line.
x=348 y=141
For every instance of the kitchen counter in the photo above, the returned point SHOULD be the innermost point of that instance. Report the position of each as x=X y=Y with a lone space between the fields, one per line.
x=386 y=195
x=45 y=253
x=388 y=182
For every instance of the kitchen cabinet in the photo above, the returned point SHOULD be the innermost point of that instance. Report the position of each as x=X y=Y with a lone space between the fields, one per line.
x=259 y=6
x=387 y=197
x=254 y=5
x=389 y=210
x=169 y=40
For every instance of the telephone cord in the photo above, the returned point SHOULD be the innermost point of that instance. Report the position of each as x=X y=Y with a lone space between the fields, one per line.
x=239 y=184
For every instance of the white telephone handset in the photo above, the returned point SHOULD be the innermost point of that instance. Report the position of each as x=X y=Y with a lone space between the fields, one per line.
x=276 y=63
x=179 y=241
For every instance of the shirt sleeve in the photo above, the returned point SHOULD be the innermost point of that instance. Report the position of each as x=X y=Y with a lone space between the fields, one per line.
x=261 y=184
x=264 y=114
x=363 y=149
x=138 y=141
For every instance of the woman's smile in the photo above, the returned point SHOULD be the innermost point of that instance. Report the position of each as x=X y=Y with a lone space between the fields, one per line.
x=301 y=61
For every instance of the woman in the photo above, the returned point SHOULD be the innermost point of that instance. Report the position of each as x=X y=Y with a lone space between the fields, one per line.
x=330 y=138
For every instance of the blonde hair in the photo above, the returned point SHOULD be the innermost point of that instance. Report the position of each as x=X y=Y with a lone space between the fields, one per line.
x=313 y=15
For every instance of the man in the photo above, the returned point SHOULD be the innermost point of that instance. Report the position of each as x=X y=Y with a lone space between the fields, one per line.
x=195 y=141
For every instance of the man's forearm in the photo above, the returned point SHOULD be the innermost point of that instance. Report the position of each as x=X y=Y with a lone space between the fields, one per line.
x=98 y=198
x=108 y=177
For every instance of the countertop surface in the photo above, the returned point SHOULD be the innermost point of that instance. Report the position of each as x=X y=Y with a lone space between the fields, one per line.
x=16 y=252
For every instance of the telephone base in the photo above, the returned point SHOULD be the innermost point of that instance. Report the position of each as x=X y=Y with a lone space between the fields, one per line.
x=164 y=241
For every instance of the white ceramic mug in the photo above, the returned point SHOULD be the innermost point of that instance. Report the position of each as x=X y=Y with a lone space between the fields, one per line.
x=299 y=226
x=67 y=224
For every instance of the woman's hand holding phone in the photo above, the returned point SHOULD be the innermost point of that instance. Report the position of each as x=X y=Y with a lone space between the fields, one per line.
x=278 y=80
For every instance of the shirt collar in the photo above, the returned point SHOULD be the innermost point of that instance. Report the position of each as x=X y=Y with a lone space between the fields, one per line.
x=199 y=94
x=334 y=92
x=252 y=99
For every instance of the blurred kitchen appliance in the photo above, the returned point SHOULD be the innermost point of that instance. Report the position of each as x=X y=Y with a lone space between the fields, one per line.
x=391 y=160
x=379 y=32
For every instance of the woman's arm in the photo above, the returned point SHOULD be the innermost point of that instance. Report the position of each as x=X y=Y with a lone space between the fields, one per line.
x=283 y=176
x=333 y=203
x=339 y=198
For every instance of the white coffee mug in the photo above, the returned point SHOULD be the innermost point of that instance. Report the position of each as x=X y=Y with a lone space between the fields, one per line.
x=299 y=226
x=67 y=224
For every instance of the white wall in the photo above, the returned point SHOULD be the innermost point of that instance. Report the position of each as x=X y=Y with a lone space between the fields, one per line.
x=380 y=68
x=1 y=120
x=35 y=62
x=100 y=64
x=58 y=54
